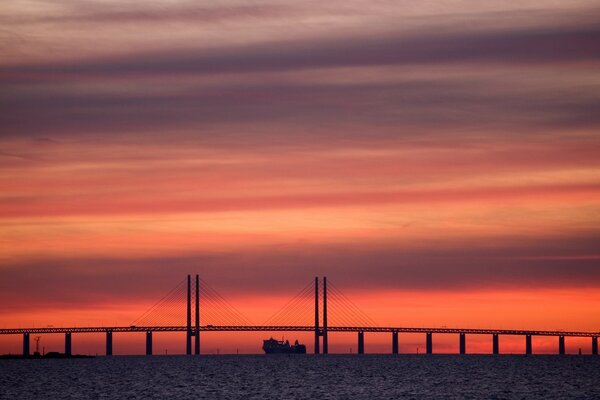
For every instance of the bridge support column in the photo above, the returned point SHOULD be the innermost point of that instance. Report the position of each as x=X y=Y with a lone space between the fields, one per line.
x=317 y=333
x=26 y=344
x=197 y=328
x=188 y=332
x=395 y=342
x=325 y=339
x=463 y=343
x=109 y=343
x=528 y=347
x=68 y=344
x=595 y=345
x=496 y=344
x=429 y=342
x=149 y=343
x=361 y=343
x=561 y=345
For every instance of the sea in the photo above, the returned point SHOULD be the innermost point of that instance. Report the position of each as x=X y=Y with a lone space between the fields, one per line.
x=303 y=377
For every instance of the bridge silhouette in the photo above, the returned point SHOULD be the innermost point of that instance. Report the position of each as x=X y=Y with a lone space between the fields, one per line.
x=319 y=307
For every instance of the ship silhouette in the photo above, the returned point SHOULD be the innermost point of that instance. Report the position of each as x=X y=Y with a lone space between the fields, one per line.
x=273 y=346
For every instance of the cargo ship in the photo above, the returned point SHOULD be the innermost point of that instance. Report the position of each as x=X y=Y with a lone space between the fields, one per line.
x=273 y=346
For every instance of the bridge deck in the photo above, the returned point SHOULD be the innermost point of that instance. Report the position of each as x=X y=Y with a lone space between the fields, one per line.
x=261 y=328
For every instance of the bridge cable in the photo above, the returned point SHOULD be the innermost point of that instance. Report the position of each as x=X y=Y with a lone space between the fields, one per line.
x=292 y=308
x=155 y=307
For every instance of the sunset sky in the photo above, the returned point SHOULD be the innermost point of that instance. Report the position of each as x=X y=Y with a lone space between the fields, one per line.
x=439 y=161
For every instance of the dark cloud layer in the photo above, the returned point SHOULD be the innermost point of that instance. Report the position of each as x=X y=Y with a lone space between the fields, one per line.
x=549 y=45
x=29 y=106
x=426 y=104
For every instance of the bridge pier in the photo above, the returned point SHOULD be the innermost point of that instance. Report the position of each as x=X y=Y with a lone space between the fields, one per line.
x=395 y=342
x=463 y=343
x=595 y=345
x=149 y=343
x=528 y=347
x=429 y=342
x=361 y=342
x=68 y=344
x=496 y=344
x=561 y=345
x=109 y=343
x=26 y=344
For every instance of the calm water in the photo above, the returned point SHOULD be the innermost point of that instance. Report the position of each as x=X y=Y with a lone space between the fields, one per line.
x=304 y=377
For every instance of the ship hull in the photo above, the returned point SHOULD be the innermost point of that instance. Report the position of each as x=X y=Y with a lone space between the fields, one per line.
x=286 y=351
x=272 y=346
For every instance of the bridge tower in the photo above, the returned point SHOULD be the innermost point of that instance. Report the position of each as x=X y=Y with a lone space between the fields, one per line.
x=317 y=331
x=195 y=331
x=197 y=327
x=325 y=340
x=188 y=331
x=321 y=331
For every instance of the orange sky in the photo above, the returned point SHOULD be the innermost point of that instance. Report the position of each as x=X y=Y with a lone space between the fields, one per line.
x=440 y=171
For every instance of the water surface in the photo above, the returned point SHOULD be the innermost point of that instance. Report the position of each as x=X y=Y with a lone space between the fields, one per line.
x=304 y=377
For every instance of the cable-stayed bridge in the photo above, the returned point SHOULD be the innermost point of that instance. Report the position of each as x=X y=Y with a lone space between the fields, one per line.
x=193 y=306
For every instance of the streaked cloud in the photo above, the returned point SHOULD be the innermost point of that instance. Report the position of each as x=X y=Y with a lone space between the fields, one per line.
x=398 y=147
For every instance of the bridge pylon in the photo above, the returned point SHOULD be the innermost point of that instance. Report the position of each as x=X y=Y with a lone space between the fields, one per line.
x=195 y=331
x=321 y=331
x=188 y=324
x=317 y=330
x=325 y=339
x=197 y=327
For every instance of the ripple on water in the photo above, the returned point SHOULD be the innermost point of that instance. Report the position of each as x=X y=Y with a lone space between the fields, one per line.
x=303 y=377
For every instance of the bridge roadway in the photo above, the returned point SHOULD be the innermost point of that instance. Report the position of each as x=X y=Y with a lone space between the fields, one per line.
x=267 y=328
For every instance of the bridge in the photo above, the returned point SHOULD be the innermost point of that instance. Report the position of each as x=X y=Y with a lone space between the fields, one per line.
x=338 y=314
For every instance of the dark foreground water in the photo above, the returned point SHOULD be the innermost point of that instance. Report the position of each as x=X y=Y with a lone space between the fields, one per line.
x=304 y=377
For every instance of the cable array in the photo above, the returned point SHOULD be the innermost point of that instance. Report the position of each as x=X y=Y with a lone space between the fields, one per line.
x=215 y=310
x=341 y=311
x=298 y=311
x=169 y=310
